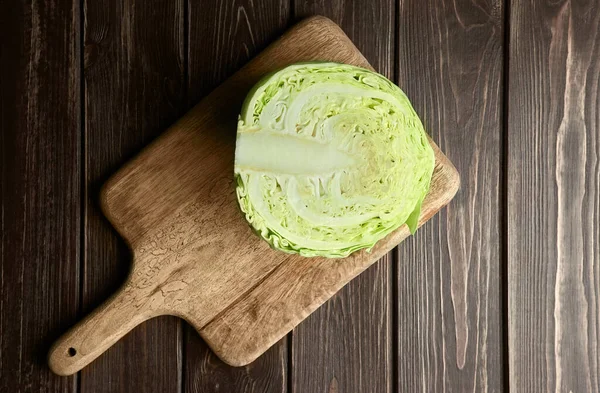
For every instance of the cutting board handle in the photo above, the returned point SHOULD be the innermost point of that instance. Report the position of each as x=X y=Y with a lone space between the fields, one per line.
x=98 y=331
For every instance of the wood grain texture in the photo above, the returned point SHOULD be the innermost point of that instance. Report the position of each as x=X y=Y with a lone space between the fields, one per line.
x=134 y=89
x=223 y=36
x=449 y=304
x=39 y=188
x=346 y=345
x=205 y=372
x=190 y=244
x=554 y=196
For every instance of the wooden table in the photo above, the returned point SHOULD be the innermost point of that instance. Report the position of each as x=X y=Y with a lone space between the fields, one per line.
x=501 y=290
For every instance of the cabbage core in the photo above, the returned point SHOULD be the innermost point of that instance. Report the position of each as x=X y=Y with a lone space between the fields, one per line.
x=329 y=159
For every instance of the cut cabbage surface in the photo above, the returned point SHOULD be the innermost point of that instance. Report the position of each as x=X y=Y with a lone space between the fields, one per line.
x=329 y=159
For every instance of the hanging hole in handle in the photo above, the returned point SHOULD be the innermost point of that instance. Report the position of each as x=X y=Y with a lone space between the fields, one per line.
x=71 y=352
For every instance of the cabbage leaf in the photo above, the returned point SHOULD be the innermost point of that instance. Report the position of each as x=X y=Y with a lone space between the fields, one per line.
x=330 y=158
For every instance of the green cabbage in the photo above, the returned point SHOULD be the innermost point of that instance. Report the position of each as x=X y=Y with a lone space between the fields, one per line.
x=329 y=159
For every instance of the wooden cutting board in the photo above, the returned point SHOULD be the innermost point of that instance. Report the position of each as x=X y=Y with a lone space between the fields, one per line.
x=194 y=255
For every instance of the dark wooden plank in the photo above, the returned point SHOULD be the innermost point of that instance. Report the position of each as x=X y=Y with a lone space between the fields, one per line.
x=223 y=36
x=449 y=304
x=134 y=89
x=346 y=345
x=554 y=196
x=39 y=187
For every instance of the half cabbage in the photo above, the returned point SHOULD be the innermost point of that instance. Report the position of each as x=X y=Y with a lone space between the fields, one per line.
x=330 y=158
